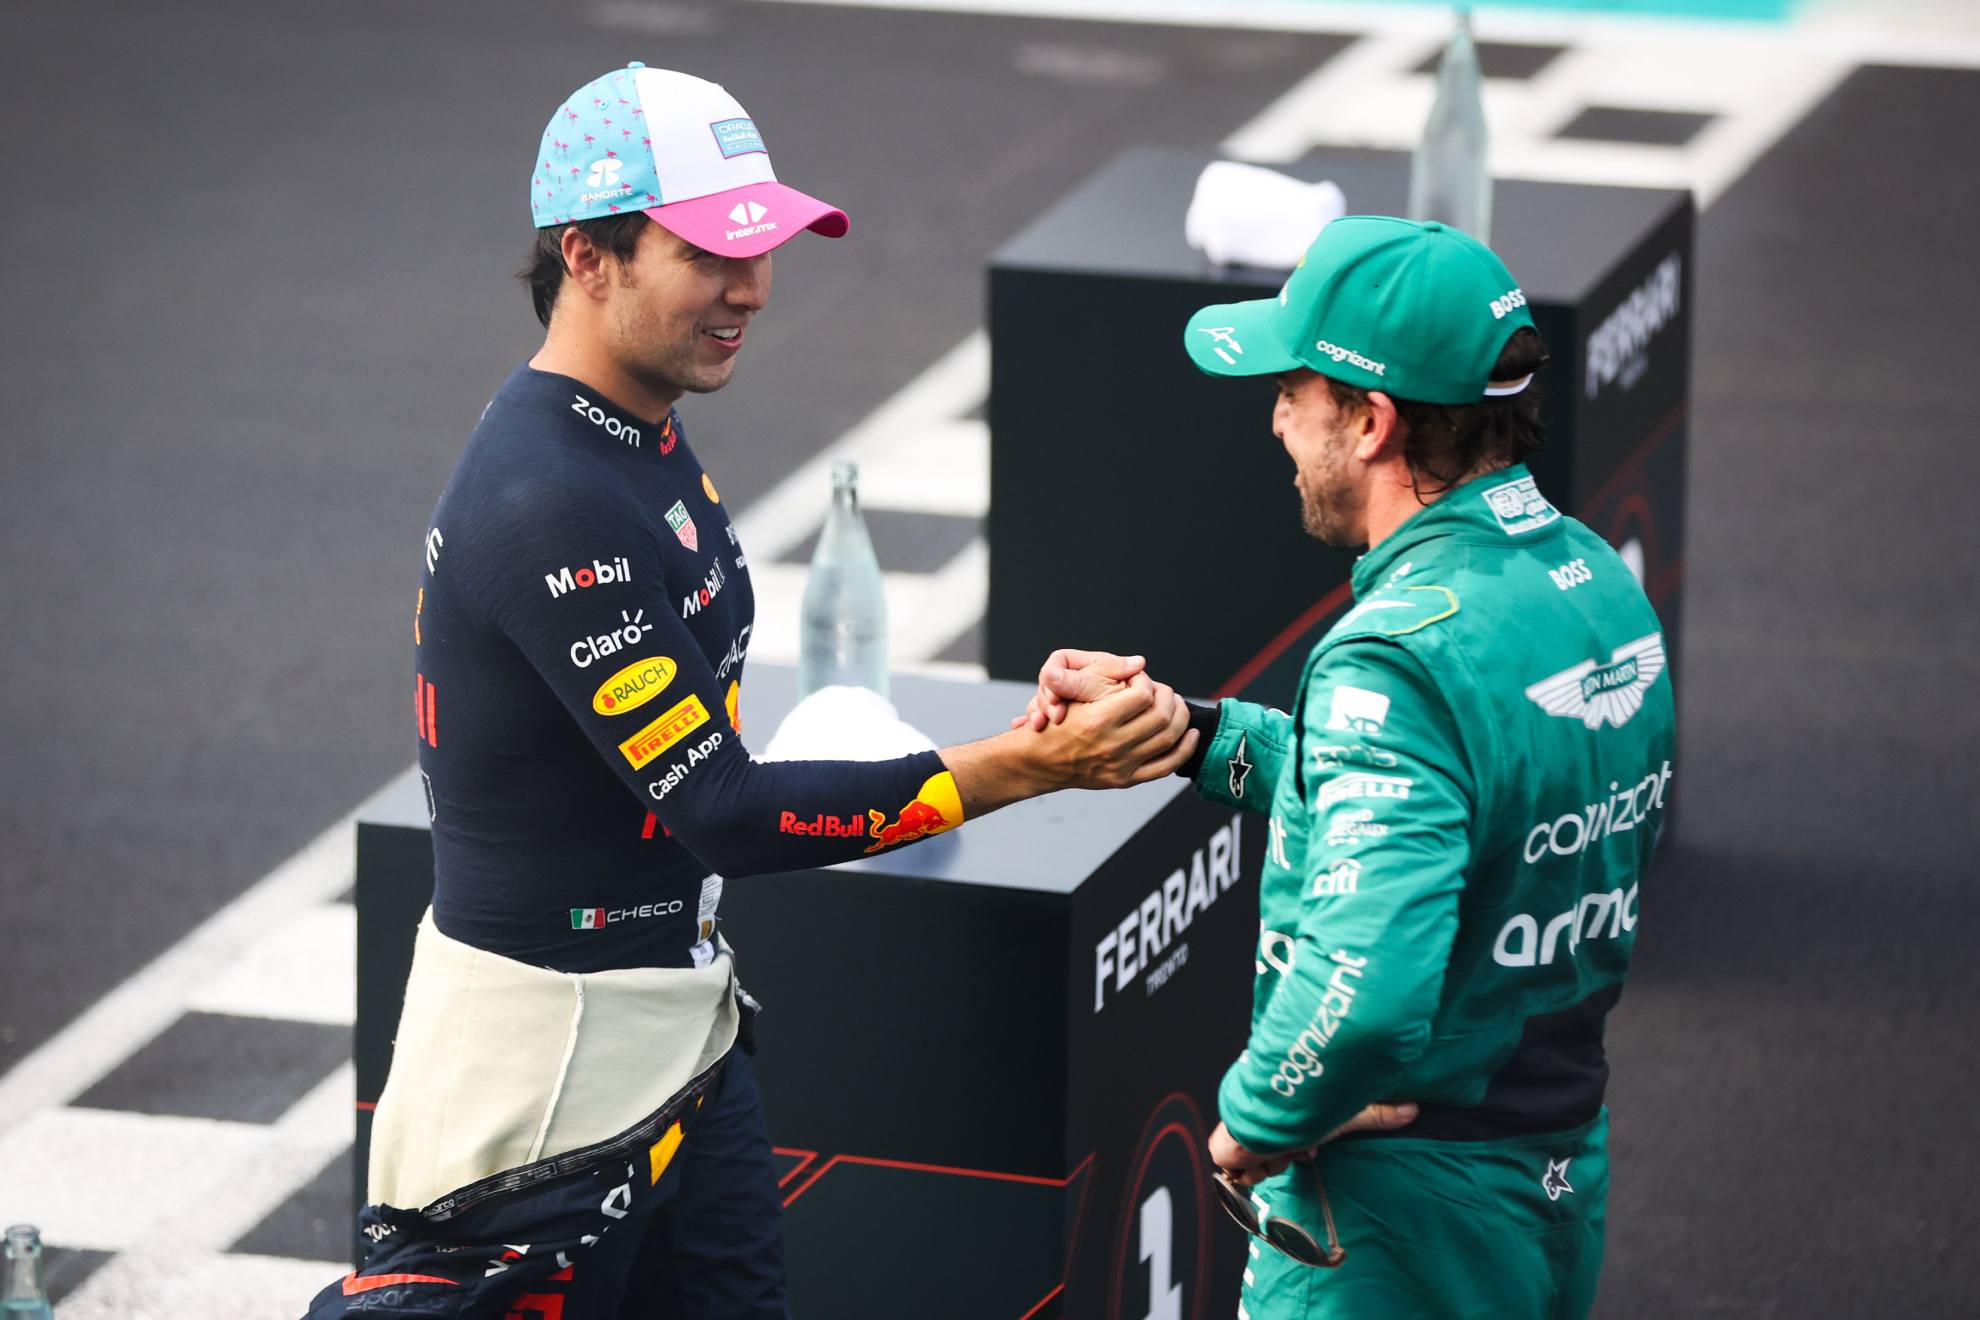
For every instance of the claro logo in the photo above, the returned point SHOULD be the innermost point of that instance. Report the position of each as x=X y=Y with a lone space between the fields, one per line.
x=634 y=686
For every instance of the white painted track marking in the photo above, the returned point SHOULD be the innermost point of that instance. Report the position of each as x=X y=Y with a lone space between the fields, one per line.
x=66 y=1064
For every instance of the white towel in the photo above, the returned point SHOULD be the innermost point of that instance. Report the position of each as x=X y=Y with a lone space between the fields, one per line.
x=1252 y=216
x=845 y=724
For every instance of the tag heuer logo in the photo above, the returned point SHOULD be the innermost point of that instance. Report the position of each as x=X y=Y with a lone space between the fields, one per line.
x=1597 y=693
x=683 y=525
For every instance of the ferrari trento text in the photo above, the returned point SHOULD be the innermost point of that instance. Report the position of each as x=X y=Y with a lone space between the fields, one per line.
x=1134 y=945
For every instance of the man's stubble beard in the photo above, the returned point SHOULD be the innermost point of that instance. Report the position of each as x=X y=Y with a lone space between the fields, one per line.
x=644 y=354
x=1329 y=507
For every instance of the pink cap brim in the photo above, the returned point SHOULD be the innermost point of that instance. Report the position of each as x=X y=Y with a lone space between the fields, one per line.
x=750 y=220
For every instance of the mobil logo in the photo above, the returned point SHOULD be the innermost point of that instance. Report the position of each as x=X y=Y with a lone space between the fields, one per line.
x=598 y=573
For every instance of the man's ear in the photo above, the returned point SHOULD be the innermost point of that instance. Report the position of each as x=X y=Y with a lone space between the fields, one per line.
x=584 y=262
x=1378 y=431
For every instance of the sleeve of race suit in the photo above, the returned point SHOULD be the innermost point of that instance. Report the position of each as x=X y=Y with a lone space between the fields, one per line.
x=661 y=720
x=1372 y=902
x=1242 y=749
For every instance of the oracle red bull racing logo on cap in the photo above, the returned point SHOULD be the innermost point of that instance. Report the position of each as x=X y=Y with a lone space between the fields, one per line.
x=937 y=807
x=737 y=137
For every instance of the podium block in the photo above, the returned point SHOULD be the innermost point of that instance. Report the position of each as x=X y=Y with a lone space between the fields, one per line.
x=988 y=1061
x=1179 y=482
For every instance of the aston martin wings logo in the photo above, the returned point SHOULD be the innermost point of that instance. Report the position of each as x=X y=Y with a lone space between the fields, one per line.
x=1597 y=693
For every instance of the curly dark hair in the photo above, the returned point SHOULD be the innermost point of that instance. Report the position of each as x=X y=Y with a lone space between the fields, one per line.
x=1448 y=442
x=543 y=272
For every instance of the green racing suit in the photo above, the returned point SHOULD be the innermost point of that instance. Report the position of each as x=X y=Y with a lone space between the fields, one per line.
x=1463 y=801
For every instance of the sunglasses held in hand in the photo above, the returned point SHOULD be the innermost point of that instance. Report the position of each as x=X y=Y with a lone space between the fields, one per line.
x=1283 y=1235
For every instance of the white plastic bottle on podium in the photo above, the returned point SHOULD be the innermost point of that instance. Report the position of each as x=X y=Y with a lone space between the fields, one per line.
x=843 y=621
x=1449 y=177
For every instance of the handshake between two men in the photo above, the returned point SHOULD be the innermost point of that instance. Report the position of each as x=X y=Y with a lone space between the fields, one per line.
x=1103 y=722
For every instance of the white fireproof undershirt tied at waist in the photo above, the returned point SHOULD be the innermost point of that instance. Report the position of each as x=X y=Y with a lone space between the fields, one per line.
x=498 y=1063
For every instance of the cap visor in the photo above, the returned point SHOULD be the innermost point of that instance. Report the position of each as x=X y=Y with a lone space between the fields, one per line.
x=749 y=221
x=1237 y=339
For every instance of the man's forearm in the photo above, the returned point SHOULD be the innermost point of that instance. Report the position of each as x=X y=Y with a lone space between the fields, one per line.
x=1000 y=770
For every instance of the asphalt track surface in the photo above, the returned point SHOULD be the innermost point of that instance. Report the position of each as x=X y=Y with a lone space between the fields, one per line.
x=256 y=267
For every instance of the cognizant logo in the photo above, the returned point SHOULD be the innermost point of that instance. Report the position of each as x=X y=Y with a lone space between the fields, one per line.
x=1339 y=354
x=1623 y=810
x=1303 y=1055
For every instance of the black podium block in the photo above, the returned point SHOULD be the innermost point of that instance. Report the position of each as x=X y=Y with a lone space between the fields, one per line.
x=1173 y=528
x=989 y=1060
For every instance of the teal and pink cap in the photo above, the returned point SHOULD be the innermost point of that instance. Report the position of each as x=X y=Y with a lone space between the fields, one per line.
x=680 y=149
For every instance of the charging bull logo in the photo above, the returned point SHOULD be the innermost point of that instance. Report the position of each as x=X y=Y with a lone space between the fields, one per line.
x=937 y=807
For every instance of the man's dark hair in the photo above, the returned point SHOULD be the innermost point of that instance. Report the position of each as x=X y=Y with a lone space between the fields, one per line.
x=544 y=271
x=1447 y=442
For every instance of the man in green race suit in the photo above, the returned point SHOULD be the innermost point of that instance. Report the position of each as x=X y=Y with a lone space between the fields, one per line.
x=1463 y=800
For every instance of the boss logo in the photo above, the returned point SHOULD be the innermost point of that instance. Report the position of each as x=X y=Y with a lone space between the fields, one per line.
x=1510 y=302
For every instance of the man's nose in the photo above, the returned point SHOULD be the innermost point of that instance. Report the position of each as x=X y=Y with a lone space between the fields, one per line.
x=749 y=282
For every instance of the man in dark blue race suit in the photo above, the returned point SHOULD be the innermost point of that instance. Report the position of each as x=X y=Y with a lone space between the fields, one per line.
x=569 y=1129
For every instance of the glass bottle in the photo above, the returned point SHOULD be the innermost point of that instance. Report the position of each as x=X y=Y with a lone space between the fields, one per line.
x=25 y=1298
x=843 y=622
x=1449 y=178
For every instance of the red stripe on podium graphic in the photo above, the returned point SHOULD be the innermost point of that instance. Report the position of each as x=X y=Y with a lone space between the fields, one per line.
x=805 y=1157
x=992 y=1175
x=1275 y=648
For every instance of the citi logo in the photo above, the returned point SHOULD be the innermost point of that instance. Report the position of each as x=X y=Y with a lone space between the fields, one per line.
x=599 y=574
x=604 y=173
x=598 y=417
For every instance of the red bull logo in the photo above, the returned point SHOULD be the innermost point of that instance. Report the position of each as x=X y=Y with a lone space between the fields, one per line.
x=937 y=807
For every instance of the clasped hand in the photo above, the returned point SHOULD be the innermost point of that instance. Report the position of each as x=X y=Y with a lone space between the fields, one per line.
x=1108 y=723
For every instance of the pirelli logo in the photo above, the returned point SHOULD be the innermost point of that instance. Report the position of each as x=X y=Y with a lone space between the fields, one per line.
x=664 y=732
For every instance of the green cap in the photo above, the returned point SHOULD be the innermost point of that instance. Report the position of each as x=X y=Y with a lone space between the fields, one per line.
x=1413 y=308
